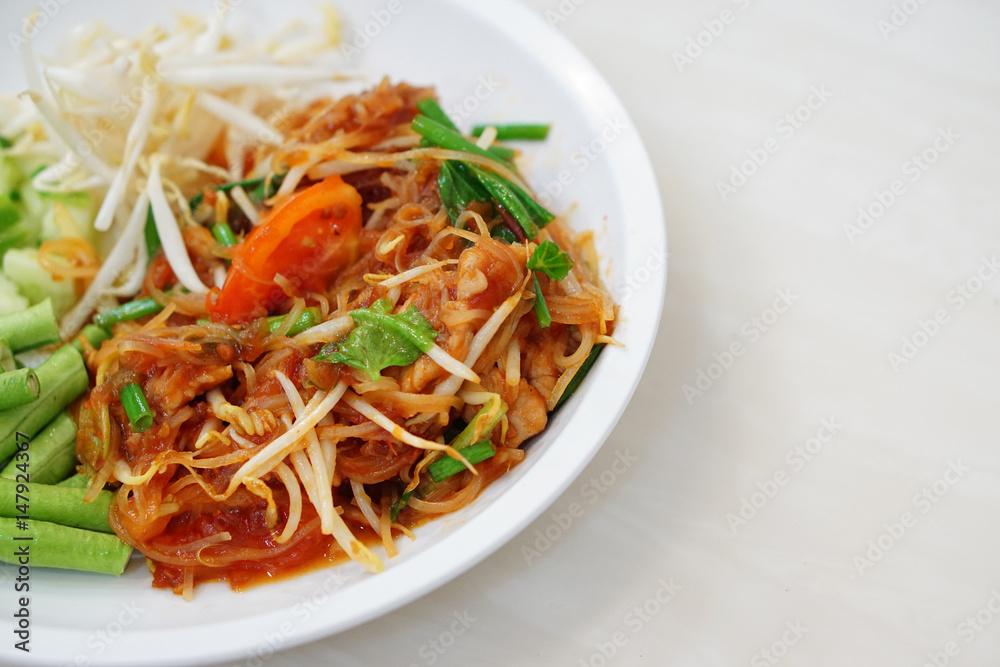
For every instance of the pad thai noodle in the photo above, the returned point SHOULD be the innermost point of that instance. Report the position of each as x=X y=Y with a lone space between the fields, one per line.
x=330 y=319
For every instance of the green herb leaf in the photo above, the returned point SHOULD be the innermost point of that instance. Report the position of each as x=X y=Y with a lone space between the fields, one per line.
x=382 y=339
x=551 y=260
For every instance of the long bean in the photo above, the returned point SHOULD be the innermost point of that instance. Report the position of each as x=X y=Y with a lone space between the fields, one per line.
x=51 y=453
x=62 y=378
x=30 y=328
x=18 y=387
x=56 y=504
x=52 y=545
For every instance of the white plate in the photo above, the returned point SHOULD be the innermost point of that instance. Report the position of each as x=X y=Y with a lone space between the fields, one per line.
x=501 y=62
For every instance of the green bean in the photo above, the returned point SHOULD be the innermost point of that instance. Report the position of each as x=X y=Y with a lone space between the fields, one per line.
x=52 y=545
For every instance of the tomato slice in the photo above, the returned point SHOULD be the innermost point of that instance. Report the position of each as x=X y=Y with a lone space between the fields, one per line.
x=308 y=238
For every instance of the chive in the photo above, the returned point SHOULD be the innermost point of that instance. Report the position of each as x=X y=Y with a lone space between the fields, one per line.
x=458 y=188
x=399 y=505
x=430 y=108
x=7 y=362
x=51 y=453
x=132 y=310
x=500 y=191
x=446 y=138
x=501 y=233
x=307 y=320
x=256 y=188
x=541 y=215
x=58 y=546
x=31 y=328
x=502 y=153
x=5 y=142
x=18 y=387
x=57 y=504
x=152 y=236
x=62 y=377
x=442 y=469
x=541 y=308
x=224 y=234
x=514 y=132
x=139 y=413
x=578 y=378
x=94 y=334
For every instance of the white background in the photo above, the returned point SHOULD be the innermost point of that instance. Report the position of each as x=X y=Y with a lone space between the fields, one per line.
x=827 y=357
x=717 y=514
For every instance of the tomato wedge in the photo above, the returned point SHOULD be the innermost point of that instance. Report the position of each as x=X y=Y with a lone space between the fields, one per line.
x=308 y=239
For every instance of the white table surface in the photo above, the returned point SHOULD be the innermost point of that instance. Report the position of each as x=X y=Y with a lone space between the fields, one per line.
x=837 y=558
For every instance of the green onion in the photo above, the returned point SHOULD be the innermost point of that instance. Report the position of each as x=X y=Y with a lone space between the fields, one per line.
x=51 y=453
x=442 y=469
x=580 y=374
x=256 y=188
x=18 y=387
x=94 y=334
x=307 y=320
x=514 y=132
x=31 y=328
x=136 y=408
x=62 y=377
x=132 y=310
x=5 y=142
x=399 y=505
x=224 y=234
x=58 y=546
x=541 y=308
